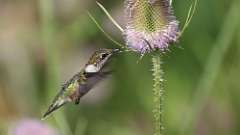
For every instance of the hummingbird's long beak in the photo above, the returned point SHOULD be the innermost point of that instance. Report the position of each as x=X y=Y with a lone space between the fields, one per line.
x=53 y=107
x=116 y=50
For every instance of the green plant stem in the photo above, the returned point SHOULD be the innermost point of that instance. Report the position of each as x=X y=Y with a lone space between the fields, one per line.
x=105 y=33
x=51 y=51
x=110 y=17
x=190 y=15
x=47 y=32
x=158 y=92
x=212 y=68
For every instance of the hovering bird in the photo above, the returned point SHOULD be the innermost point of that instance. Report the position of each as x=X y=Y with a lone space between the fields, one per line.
x=82 y=82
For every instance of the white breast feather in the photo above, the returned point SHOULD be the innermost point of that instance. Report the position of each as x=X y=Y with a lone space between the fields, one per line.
x=91 y=69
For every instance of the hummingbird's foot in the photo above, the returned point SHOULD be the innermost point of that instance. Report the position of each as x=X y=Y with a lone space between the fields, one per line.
x=77 y=101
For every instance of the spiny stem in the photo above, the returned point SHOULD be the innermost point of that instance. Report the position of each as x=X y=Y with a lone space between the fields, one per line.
x=158 y=92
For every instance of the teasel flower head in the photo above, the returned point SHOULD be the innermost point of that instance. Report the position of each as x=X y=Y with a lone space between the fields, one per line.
x=150 y=25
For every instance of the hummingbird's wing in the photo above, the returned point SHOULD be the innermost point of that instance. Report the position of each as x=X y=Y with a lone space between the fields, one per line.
x=91 y=81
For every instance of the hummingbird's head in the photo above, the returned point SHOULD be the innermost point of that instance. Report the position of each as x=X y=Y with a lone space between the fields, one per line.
x=99 y=59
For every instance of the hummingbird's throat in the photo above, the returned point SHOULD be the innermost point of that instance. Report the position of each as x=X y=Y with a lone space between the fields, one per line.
x=91 y=69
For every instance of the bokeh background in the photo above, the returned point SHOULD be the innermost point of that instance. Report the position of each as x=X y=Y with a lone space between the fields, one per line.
x=44 y=42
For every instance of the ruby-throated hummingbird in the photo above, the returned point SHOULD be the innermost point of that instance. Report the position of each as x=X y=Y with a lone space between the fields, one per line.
x=83 y=81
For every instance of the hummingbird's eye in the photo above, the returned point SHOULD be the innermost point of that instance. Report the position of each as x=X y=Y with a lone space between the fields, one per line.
x=104 y=55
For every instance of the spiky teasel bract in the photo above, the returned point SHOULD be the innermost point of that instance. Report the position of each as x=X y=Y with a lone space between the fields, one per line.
x=150 y=24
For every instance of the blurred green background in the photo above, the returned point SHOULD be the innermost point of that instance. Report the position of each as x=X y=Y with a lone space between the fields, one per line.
x=44 y=42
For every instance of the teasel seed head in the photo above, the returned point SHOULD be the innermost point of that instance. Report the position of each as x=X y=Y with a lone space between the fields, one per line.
x=150 y=25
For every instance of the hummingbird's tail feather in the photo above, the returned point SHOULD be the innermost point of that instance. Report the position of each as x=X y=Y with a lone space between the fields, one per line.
x=54 y=106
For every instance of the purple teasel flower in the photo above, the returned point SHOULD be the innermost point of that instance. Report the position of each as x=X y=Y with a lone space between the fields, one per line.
x=31 y=127
x=150 y=25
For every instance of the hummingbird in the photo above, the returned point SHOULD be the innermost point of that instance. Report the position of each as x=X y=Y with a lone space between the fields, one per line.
x=81 y=83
